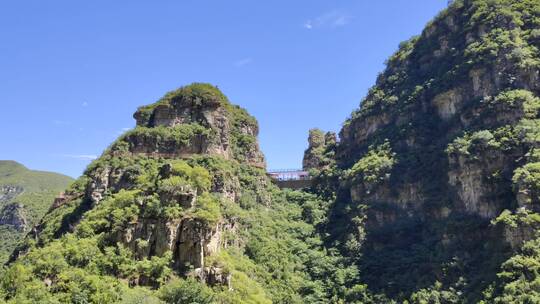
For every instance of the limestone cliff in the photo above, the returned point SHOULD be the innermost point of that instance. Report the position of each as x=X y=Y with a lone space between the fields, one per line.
x=226 y=128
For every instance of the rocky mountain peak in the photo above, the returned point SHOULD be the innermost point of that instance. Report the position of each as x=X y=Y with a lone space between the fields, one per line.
x=189 y=104
x=194 y=119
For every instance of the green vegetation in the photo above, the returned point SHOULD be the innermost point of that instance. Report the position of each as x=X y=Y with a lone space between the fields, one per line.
x=13 y=173
x=527 y=181
x=472 y=144
x=283 y=259
x=195 y=95
x=376 y=165
x=521 y=218
x=186 y=291
x=458 y=105
x=37 y=192
x=520 y=276
x=529 y=103
x=181 y=135
x=208 y=209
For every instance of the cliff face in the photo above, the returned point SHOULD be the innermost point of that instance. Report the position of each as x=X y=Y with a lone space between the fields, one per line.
x=13 y=215
x=445 y=139
x=224 y=129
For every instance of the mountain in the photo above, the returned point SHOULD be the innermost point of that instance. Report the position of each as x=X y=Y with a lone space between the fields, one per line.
x=436 y=174
x=25 y=196
x=179 y=210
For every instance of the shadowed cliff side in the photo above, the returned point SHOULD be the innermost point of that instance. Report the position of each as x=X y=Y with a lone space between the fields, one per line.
x=435 y=179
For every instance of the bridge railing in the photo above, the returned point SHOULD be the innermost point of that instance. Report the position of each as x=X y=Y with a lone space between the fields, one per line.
x=288 y=174
x=284 y=170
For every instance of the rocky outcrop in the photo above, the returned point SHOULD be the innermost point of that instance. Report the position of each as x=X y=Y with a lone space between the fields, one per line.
x=213 y=276
x=152 y=145
x=483 y=182
x=447 y=104
x=14 y=215
x=432 y=118
x=517 y=236
x=189 y=240
x=319 y=143
x=217 y=127
x=107 y=178
x=8 y=192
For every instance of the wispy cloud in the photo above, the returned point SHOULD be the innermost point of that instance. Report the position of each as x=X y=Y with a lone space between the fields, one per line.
x=243 y=62
x=80 y=156
x=332 y=19
x=85 y=104
x=61 y=122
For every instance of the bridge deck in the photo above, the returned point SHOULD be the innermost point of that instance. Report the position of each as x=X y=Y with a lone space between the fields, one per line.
x=290 y=178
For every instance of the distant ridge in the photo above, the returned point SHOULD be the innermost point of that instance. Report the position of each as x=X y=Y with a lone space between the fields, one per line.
x=25 y=196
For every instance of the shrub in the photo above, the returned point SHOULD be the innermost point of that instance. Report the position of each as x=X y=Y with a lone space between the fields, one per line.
x=196 y=176
x=182 y=134
x=207 y=209
x=527 y=180
x=503 y=138
x=523 y=98
x=375 y=165
x=187 y=291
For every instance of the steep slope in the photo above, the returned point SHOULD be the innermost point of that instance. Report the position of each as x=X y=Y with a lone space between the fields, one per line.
x=436 y=173
x=180 y=210
x=25 y=196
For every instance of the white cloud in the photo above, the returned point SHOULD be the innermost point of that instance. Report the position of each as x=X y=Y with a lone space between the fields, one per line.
x=243 y=62
x=332 y=19
x=81 y=156
x=85 y=104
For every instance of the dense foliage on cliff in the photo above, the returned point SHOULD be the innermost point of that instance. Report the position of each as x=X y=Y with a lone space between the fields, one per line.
x=436 y=168
x=25 y=196
x=282 y=260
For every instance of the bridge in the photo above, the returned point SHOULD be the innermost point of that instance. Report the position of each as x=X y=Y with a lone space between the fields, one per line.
x=290 y=178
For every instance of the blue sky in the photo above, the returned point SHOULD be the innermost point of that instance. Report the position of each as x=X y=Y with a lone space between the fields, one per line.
x=73 y=72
